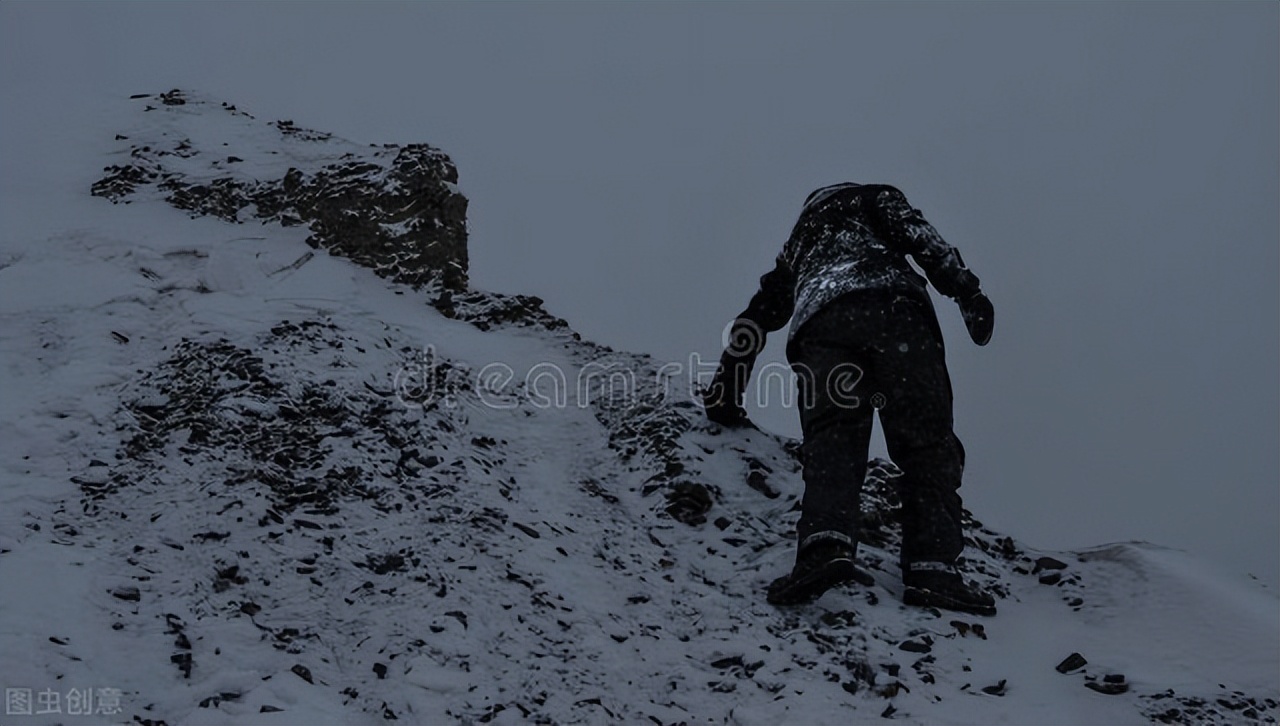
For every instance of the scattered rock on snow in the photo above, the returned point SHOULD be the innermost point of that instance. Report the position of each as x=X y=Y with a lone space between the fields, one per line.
x=1050 y=578
x=916 y=646
x=1112 y=684
x=1073 y=662
x=1049 y=563
x=527 y=530
x=689 y=502
x=758 y=479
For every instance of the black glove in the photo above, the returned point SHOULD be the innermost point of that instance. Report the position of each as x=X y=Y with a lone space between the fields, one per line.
x=979 y=317
x=733 y=417
x=723 y=408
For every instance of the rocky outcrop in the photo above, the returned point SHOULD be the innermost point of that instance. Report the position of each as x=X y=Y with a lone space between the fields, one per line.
x=396 y=209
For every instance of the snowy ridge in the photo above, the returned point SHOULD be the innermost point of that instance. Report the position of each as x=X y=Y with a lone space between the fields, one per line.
x=251 y=483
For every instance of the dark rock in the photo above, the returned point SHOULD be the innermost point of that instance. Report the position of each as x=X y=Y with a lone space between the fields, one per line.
x=893 y=689
x=729 y=662
x=1113 y=678
x=593 y=488
x=915 y=646
x=380 y=670
x=225 y=577
x=1049 y=563
x=215 y=536
x=1073 y=662
x=267 y=708
x=996 y=690
x=759 y=481
x=1050 y=578
x=1109 y=689
x=127 y=593
x=689 y=502
x=383 y=564
x=302 y=672
x=487 y=310
x=527 y=530
x=184 y=663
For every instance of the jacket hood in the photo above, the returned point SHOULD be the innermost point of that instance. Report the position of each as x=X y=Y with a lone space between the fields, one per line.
x=822 y=194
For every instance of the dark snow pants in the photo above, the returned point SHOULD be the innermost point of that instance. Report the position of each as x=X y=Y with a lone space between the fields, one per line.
x=869 y=350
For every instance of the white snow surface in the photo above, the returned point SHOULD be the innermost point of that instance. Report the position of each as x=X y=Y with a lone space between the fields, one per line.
x=495 y=559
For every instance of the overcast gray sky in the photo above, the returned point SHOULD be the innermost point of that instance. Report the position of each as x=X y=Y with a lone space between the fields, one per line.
x=1110 y=171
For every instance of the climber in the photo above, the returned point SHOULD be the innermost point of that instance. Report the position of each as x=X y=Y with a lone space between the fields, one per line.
x=864 y=337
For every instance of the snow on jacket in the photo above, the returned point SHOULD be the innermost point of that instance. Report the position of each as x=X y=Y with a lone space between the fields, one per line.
x=854 y=237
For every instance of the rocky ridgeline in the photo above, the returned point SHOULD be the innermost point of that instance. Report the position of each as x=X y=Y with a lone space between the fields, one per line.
x=392 y=208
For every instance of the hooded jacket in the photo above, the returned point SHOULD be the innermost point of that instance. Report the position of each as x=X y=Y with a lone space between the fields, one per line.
x=855 y=237
x=849 y=237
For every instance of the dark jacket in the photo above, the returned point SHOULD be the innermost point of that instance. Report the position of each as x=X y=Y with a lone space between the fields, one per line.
x=855 y=237
x=849 y=237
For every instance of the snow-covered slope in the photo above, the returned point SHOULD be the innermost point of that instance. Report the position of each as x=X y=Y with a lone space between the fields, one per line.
x=249 y=482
